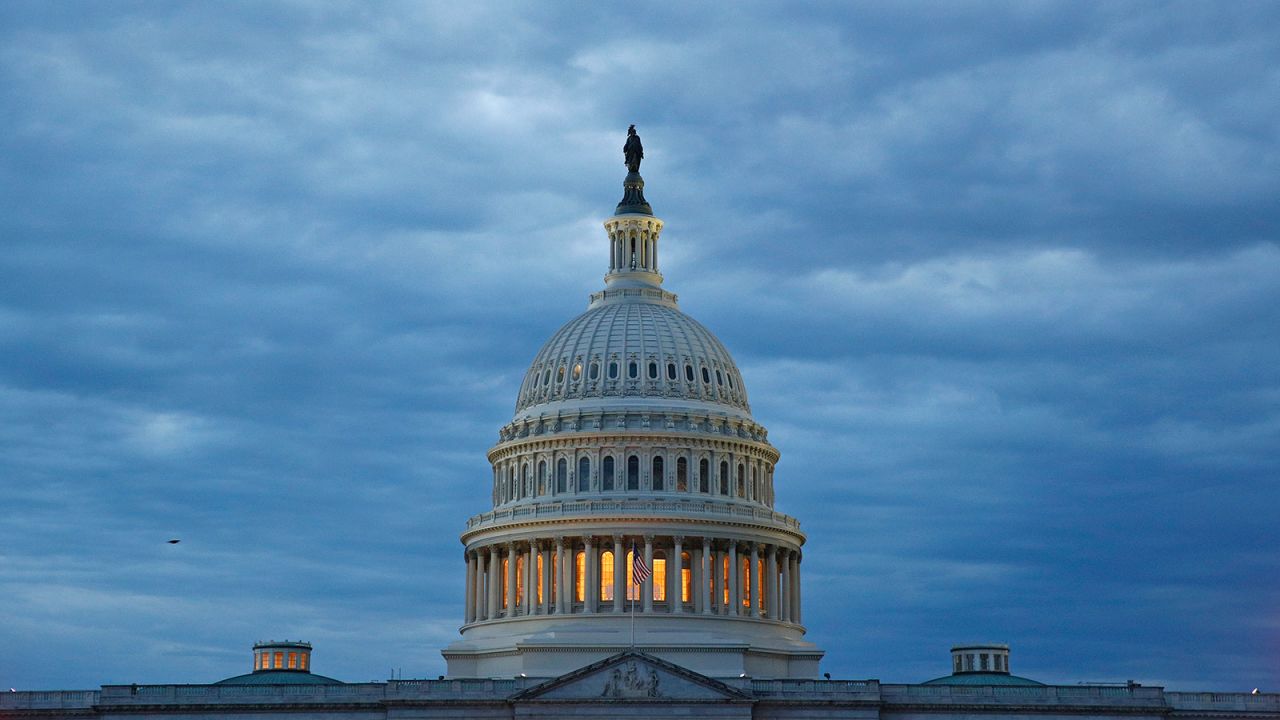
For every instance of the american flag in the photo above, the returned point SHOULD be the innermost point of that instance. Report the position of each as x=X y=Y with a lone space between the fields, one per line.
x=639 y=570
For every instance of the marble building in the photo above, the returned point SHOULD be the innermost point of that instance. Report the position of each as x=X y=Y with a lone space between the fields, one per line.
x=632 y=563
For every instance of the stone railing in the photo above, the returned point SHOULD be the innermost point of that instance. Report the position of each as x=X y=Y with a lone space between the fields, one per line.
x=820 y=689
x=1248 y=702
x=1024 y=694
x=200 y=694
x=641 y=508
x=48 y=700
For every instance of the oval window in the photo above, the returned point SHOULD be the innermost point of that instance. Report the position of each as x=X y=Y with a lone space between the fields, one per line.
x=731 y=381
x=560 y=374
x=671 y=371
x=688 y=372
x=546 y=376
x=719 y=378
x=613 y=371
x=633 y=370
x=595 y=371
x=653 y=370
x=706 y=376
x=536 y=378
x=577 y=371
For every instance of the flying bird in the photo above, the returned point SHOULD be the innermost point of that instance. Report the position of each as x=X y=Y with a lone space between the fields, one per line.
x=174 y=541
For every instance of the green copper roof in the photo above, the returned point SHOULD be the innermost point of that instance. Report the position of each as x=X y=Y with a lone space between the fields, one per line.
x=982 y=678
x=279 y=677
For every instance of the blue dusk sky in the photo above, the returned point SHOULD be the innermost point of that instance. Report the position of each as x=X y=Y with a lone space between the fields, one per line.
x=1002 y=279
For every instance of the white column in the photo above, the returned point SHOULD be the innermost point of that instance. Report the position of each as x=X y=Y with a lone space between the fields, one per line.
x=735 y=581
x=771 y=581
x=786 y=586
x=619 y=575
x=495 y=584
x=591 y=585
x=755 y=580
x=548 y=584
x=530 y=567
x=646 y=588
x=704 y=584
x=796 y=607
x=469 y=608
x=675 y=593
x=562 y=588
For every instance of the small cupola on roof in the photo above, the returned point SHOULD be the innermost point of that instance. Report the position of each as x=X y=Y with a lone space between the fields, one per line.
x=633 y=230
x=981 y=664
x=284 y=662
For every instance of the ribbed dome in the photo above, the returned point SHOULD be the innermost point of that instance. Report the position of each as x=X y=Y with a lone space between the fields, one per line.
x=633 y=343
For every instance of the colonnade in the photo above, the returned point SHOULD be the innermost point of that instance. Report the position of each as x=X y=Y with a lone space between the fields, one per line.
x=593 y=574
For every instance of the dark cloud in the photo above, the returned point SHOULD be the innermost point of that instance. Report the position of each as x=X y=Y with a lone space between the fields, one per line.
x=999 y=277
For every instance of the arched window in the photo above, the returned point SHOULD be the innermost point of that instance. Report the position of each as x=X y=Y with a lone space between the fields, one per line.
x=526 y=486
x=562 y=475
x=633 y=370
x=744 y=572
x=606 y=473
x=688 y=372
x=546 y=376
x=755 y=484
x=542 y=476
x=724 y=477
x=704 y=471
x=659 y=479
x=613 y=371
x=706 y=376
x=633 y=588
x=606 y=575
x=671 y=371
x=594 y=373
x=742 y=482
x=511 y=482
x=584 y=474
x=633 y=473
x=653 y=370
x=682 y=475
x=536 y=376
x=580 y=576
x=686 y=578
x=519 y=580
x=506 y=560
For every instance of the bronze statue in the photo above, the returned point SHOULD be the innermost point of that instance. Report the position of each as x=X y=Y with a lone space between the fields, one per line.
x=633 y=150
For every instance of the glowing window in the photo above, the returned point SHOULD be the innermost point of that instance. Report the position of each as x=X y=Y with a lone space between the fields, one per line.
x=577 y=371
x=505 y=561
x=279 y=660
x=659 y=481
x=606 y=473
x=633 y=370
x=302 y=661
x=613 y=371
x=660 y=579
x=293 y=661
x=653 y=370
x=633 y=473
x=584 y=474
x=671 y=371
x=562 y=475
x=606 y=575
x=560 y=374
x=686 y=578
x=579 y=576
x=519 y=579
x=633 y=589
x=595 y=371
x=539 y=570
x=724 y=567
x=759 y=576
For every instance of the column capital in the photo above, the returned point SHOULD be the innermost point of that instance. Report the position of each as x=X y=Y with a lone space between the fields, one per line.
x=648 y=537
x=677 y=539
x=588 y=541
x=617 y=539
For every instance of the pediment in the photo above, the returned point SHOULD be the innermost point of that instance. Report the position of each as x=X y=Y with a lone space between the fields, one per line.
x=632 y=676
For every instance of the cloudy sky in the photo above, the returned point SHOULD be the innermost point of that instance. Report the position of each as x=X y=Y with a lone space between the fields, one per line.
x=1002 y=280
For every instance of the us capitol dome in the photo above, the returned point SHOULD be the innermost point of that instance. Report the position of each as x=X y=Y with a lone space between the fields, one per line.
x=633 y=496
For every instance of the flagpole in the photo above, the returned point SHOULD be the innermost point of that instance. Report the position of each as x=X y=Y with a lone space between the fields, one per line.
x=631 y=571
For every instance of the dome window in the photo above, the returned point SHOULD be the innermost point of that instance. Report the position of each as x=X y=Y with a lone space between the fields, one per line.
x=613 y=371
x=633 y=370
x=606 y=473
x=584 y=474
x=653 y=370
x=546 y=377
x=594 y=373
x=724 y=477
x=536 y=377
x=731 y=387
x=688 y=372
x=562 y=475
x=577 y=372
x=671 y=371
x=719 y=377
x=633 y=473
x=659 y=479
x=682 y=475
x=560 y=375
x=704 y=470
x=706 y=376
